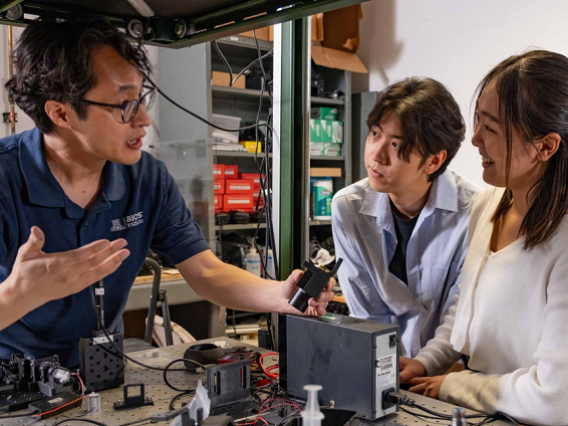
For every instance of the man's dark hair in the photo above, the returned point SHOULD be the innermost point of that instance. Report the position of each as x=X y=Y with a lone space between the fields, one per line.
x=54 y=62
x=533 y=100
x=429 y=117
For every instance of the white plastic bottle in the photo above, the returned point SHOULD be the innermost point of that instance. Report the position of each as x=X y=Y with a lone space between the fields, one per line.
x=311 y=414
x=253 y=262
x=270 y=270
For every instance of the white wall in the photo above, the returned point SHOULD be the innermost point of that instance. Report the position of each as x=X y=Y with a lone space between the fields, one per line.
x=456 y=42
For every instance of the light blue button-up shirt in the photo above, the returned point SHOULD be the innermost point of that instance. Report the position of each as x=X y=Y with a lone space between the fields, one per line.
x=365 y=237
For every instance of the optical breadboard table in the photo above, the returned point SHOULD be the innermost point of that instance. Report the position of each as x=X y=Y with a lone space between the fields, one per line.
x=162 y=395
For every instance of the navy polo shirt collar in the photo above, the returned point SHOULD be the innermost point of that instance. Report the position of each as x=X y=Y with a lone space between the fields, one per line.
x=43 y=188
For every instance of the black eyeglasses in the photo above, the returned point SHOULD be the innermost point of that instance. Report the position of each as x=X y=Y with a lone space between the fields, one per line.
x=129 y=108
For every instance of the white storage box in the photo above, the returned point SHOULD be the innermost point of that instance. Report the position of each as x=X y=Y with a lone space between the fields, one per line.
x=228 y=122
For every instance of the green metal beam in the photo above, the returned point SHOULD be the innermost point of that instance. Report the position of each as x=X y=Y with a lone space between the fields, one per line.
x=293 y=176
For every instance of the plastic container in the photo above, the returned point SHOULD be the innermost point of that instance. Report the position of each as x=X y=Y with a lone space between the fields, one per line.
x=253 y=262
x=323 y=194
x=228 y=122
x=270 y=270
x=311 y=414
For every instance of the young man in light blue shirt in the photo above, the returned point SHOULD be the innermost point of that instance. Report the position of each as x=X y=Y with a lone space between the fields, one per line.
x=402 y=230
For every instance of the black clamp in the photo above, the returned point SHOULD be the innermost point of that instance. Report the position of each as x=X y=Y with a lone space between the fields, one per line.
x=133 y=398
x=312 y=283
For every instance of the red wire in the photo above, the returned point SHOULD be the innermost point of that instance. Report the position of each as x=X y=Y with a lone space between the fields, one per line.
x=81 y=382
x=59 y=408
x=255 y=420
x=287 y=402
x=265 y=371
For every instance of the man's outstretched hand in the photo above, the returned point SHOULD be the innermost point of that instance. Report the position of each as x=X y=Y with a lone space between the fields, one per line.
x=48 y=276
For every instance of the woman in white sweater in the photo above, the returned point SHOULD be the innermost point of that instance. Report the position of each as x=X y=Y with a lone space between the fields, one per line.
x=510 y=323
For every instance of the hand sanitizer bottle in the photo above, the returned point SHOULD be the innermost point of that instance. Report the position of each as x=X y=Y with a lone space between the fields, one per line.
x=253 y=262
x=270 y=270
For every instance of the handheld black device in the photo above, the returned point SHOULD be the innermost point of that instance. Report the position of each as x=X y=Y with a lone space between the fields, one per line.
x=312 y=283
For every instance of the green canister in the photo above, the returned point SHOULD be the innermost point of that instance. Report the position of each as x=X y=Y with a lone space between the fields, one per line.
x=323 y=193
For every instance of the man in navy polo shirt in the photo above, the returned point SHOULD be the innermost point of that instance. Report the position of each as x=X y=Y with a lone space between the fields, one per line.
x=77 y=188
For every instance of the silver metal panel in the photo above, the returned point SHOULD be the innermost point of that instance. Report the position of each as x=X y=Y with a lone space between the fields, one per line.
x=179 y=292
x=385 y=371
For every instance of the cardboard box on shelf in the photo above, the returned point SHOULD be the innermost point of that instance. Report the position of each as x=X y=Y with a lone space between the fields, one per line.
x=332 y=149
x=325 y=113
x=239 y=186
x=219 y=186
x=218 y=171
x=325 y=172
x=266 y=33
x=238 y=202
x=254 y=177
x=326 y=131
x=336 y=132
x=251 y=146
x=218 y=202
x=316 y=148
x=231 y=171
x=315 y=130
x=223 y=79
x=335 y=39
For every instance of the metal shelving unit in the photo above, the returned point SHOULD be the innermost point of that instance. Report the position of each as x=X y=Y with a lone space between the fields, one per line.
x=237 y=227
x=327 y=158
x=239 y=154
x=234 y=93
x=320 y=222
x=336 y=80
x=327 y=101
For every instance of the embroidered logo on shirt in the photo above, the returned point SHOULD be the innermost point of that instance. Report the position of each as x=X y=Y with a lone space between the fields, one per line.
x=127 y=222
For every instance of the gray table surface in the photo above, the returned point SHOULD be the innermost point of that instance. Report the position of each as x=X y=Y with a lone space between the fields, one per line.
x=162 y=394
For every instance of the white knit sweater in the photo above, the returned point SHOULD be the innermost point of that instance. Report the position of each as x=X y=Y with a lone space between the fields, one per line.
x=512 y=320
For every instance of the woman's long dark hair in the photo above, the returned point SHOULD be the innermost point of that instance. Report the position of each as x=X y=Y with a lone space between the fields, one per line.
x=533 y=98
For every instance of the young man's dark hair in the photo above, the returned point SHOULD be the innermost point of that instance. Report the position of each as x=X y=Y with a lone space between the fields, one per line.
x=53 y=61
x=428 y=115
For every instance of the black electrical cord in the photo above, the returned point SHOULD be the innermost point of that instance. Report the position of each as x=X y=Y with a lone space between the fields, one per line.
x=218 y=49
x=175 y=361
x=72 y=419
x=135 y=422
x=12 y=416
x=263 y=167
x=178 y=397
x=253 y=63
x=487 y=418
x=121 y=354
x=400 y=399
x=161 y=92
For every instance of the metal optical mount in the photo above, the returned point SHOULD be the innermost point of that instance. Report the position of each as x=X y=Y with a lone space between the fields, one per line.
x=312 y=283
